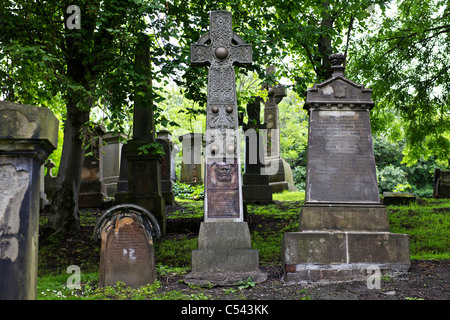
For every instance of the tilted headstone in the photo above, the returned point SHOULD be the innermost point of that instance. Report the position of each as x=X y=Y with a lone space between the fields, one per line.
x=143 y=169
x=112 y=150
x=279 y=171
x=167 y=166
x=343 y=229
x=224 y=244
x=192 y=165
x=255 y=183
x=92 y=188
x=127 y=254
x=27 y=136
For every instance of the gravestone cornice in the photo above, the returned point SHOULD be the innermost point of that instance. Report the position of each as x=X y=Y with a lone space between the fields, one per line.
x=338 y=92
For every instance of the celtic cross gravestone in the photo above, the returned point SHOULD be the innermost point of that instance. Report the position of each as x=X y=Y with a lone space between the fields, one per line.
x=224 y=245
x=224 y=199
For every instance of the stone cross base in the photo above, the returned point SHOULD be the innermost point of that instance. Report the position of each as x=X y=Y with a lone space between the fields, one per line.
x=224 y=248
x=323 y=256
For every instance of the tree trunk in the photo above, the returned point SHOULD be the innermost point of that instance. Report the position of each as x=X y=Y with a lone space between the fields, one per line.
x=64 y=215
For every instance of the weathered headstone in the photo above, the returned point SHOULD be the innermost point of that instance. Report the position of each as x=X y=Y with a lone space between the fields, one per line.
x=112 y=150
x=255 y=183
x=224 y=245
x=279 y=171
x=193 y=165
x=167 y=166
x=127 y=254
x=441 y=183
x=27 y=136
x=92 y=188
x=143 y=165
x=344 y=228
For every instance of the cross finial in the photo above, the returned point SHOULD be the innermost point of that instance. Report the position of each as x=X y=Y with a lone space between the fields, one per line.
x=49 y=165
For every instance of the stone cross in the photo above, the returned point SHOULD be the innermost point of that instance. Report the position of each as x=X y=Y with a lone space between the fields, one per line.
x=224 y=253
x=223 y=197
x=49 y=165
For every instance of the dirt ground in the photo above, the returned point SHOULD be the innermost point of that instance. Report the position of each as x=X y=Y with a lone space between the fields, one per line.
x=427 y=280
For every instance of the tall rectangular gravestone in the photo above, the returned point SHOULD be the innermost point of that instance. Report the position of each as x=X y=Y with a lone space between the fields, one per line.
x=344 y=228
x=27 y=136
x=224 y=246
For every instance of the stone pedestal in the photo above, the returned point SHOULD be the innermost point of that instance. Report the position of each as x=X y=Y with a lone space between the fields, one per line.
x=224 y=255
x=27 y=136
x=344 y=229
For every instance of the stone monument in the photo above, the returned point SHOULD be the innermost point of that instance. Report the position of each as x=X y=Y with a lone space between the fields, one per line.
x=279 y=171
x=255 y=183
x=127 y=255
x=343 y=229
x=167 y=166
x=143 y=169
x=112 y=149
x=92 y=188
x=192 y=165
x=27 y=136
x=441 y=183
x=224 y=252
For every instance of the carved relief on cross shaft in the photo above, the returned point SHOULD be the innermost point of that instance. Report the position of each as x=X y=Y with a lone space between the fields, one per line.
x=221 y=84
x=220 y=28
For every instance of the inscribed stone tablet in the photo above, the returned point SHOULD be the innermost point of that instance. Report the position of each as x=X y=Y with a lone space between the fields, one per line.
x=127 y=255
x=341 y=164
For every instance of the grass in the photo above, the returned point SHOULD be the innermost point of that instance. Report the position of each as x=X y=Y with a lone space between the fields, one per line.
x=428 y=227
x=426 y=222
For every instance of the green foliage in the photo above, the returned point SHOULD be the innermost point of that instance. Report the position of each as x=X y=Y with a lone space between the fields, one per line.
x=402 y=55
x=390 y=178
x=186 y=191
x=175 y=252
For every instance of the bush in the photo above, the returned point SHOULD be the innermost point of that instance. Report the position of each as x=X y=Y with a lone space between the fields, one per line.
x=392 y=178
x=186 y=191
